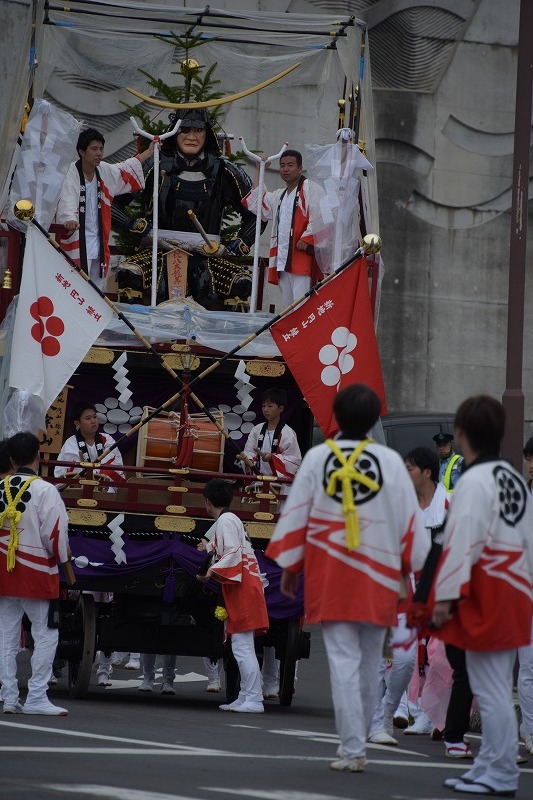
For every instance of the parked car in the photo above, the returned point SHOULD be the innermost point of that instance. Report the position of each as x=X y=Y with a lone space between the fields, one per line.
x=404 y=430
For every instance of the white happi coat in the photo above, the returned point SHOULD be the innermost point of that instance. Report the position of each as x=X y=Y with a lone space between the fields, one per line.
x=237 y=570
x=115 y=179
x=435 y=514
x=42 y=544
x=70 y=452
x=285 y=462
x=487 y=559
x=302 y=227
x=360 y=585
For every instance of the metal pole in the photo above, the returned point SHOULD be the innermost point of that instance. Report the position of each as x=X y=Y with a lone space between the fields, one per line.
x=155 y=202
x=513 y=398
x=260 y=186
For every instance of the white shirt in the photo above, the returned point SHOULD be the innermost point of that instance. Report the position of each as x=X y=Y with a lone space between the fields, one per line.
x=284 y=229
x=92 y=238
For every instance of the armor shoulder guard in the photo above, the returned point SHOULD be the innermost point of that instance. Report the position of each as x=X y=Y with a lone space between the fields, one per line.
x=242 y=179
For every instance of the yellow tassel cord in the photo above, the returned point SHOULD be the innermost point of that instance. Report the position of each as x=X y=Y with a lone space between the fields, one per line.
x=346 y=475
x=14 y=518
x=221 y=613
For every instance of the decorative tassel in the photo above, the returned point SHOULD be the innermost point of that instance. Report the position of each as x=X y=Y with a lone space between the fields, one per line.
x=346 y=475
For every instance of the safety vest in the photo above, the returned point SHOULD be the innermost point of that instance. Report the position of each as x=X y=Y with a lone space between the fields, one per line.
x=447 y=477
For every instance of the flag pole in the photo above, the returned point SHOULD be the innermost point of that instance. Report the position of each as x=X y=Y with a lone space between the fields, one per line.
x=25 y=211
x=155 y=196
x=260 y=185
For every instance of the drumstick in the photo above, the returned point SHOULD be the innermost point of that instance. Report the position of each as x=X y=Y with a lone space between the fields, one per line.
x=210 y=247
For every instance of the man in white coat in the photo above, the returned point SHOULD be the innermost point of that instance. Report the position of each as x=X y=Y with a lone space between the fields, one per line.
x=486 y=569
x=33 y=541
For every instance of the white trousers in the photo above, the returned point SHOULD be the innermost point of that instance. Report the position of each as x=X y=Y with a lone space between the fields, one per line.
x=292 y=287
x=214 y=671
x=45 y=639
x=491 y=679
x=525 y=685
x=242 y=645
x=395 y=678
x=169 y=667
x=354 y=654
x=270 y=670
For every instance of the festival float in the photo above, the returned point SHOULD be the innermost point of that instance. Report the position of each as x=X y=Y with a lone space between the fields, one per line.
x=178 y=385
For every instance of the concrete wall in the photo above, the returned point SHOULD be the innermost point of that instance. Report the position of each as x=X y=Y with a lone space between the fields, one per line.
x=444 y=175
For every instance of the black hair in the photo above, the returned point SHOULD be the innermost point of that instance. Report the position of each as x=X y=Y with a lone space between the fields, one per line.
x=5 y=461
x=295 y=154
x=482 y=419
x=219 y=492
x=78 y=409
x=86 y=137
x=528 y=447
x=275 y=395
x=424 y=458
x=23 y=448
x=356 y=409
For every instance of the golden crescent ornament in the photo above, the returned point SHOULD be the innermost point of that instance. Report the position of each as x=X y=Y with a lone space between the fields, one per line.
x=231 y=98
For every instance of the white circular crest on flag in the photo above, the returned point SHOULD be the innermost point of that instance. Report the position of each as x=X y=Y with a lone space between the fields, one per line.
x=336 y=356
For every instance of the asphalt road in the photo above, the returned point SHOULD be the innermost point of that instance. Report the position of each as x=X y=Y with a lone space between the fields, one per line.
x=118 y=744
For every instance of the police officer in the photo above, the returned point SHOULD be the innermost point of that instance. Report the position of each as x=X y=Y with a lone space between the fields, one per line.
x=450 y=463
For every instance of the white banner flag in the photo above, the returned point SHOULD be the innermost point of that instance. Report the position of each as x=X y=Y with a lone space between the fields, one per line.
x=59 y=316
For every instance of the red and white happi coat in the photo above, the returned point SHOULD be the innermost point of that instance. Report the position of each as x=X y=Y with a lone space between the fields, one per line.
x=236 y=568
x=71 y=452
x=302 y=228
x=284 y=462
x=42 y=544
x=351 y=585
x=115 y=179
x=487 y=560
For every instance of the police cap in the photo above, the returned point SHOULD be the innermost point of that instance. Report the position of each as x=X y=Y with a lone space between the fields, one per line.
x=443 y=438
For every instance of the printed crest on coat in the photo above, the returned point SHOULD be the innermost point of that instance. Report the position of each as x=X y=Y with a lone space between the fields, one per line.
x=511 y=495
x=15 y=483
x=367 y=464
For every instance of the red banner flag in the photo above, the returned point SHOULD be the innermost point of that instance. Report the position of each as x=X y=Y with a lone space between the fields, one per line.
x=329 y=342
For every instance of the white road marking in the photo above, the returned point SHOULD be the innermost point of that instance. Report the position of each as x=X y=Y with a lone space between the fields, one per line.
x=103 y=738
x=332 y=738
x=114 y=792
x=280 y=794
x=115 y=751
